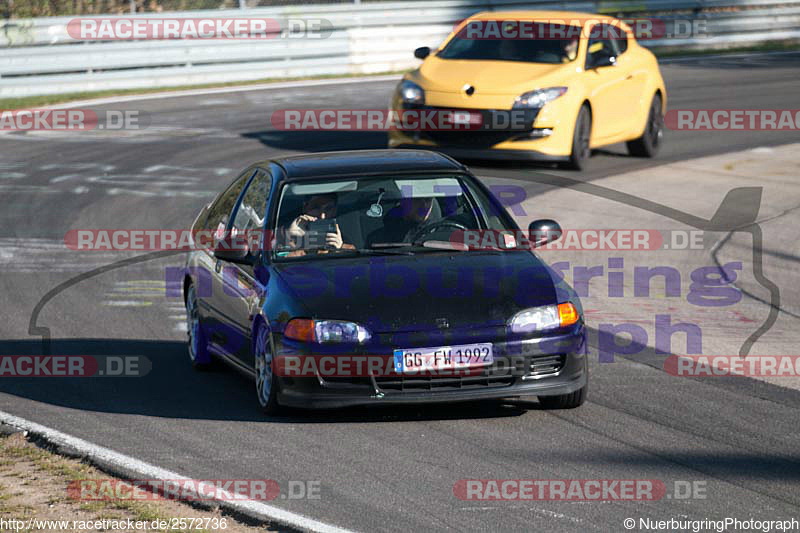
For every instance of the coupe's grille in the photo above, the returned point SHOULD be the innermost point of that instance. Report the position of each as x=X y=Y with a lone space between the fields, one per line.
x=423 y=383
x=496 y=127
x=502 y=376
x=544 y=365
x=471 y=139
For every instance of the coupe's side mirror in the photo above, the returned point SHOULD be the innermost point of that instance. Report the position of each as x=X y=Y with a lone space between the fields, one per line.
x=234 y=249
x=422 y=52
x=603 y=60
x=543 y=231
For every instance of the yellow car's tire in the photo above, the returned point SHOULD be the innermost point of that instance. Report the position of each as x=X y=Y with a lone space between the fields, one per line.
x=650 y=142
x=580 y=140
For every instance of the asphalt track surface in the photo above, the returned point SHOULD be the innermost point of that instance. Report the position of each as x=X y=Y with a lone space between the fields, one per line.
x=380 y=469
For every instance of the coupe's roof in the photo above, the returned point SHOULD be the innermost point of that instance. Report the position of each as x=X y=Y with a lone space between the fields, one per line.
x=562 y=17
x=353 y=163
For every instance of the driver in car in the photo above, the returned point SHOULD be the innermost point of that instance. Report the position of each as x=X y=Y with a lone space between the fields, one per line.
x=405 y=222
x=570 y=51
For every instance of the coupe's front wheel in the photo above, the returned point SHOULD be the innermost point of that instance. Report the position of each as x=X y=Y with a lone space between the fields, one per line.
x=266 y=388
x=565 y=401
x=650 y=142
x=581 y=138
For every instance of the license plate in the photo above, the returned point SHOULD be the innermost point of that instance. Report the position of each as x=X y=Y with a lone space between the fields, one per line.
x=443 y=358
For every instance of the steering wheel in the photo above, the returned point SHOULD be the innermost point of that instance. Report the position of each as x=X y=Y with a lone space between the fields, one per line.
x=436 y=226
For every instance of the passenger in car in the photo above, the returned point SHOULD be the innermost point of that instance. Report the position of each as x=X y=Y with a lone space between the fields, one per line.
x=316 y=207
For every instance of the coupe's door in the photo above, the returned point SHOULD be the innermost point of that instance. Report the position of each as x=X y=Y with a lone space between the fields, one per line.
x=636 y=72
x=240 y=294
x=210 y=268
x=606 y=83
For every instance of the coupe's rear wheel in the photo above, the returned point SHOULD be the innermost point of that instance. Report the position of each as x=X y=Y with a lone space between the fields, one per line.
x=581 y=137
x=198 y=346
x=266 y=388
x=650 y=142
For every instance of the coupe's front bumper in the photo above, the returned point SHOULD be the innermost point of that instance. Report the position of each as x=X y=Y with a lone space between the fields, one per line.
x=522 y=368
x=543 y=135
x=493 y=154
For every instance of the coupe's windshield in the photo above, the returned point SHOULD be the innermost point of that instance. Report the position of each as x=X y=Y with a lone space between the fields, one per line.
x=532 y=43
x=404 y=214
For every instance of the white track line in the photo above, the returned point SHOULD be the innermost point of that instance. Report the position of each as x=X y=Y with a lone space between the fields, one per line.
x=223 y=90
x=126 y=466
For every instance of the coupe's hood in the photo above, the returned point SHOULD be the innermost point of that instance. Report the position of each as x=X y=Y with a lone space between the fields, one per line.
x=489 y=77
x=412 y=293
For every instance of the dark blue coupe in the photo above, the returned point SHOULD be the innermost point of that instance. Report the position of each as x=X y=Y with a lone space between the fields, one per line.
x=380 y=277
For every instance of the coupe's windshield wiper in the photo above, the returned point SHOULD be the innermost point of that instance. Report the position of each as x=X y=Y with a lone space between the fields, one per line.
x=382 y=245
x=389 y=250
x=427 y=244
x=442 y=245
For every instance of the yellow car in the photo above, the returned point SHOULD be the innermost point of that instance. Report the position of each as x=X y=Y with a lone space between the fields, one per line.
x=571 y=81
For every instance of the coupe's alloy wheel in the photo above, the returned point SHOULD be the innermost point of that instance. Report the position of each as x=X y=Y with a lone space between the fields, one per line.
x=581 y=138
x=265 y=385
x=192 y=323
x=655 y=124
x=649 y=143
x=198 y=347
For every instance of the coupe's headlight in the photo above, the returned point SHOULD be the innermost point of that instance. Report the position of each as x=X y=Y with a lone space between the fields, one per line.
x=324 y=331
x=537 y=98
x=411 y=93
x=544 y=318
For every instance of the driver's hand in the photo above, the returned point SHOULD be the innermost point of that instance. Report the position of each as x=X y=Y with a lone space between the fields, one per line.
x=297 y=229
x=334 y=240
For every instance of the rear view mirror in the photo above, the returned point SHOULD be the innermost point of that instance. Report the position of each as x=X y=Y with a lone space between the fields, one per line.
x=543 y=231
x=603 y=60
x=422 y=52
x=234 y=249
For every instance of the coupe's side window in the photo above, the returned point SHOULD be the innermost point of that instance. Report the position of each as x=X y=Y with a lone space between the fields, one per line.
x=252 y=211
x=600 y=47
x=620 y=40
x=219 y=212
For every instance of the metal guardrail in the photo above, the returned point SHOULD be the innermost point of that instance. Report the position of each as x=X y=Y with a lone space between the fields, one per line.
x=39 y=56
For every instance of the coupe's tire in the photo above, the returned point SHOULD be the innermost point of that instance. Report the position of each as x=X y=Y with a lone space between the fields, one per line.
x=581 y=137
x=651 y=140
x=565 y=401
x=266 y=386
x=197 y=343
